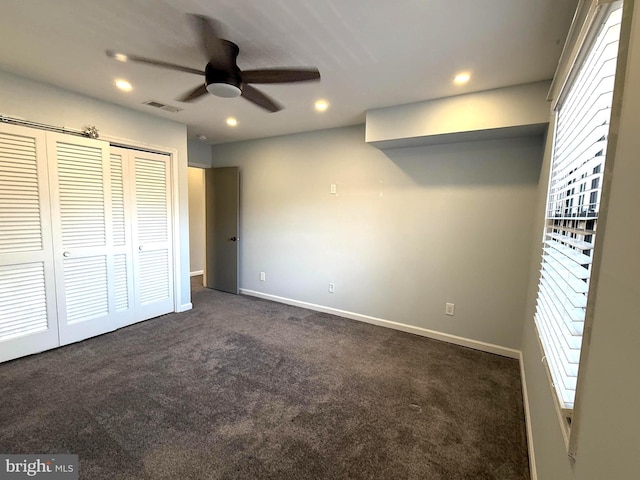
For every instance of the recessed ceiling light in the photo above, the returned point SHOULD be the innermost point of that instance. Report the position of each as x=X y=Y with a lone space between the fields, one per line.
x=232 y=122
x=321 y=105
x=462 y=78
x=123 y=85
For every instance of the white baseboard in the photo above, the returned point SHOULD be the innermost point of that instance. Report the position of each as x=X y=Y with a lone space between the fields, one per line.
x=196 y=273
x=527 y=417
x=446 y=337
x=184 y=307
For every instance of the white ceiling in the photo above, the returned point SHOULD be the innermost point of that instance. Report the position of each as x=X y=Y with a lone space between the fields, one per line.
x=371 y=53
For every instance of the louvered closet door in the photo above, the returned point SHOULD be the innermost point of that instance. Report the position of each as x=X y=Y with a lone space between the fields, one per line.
x=83 y=236
x=28 y=321
x=152 y=234
x=122 y=219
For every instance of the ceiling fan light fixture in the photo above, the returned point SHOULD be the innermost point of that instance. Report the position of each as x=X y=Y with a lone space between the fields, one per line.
x=223 y=77
x=224 y=90
x=222 y=83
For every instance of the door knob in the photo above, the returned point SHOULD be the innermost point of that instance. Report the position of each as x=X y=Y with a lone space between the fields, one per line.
x=234 y=239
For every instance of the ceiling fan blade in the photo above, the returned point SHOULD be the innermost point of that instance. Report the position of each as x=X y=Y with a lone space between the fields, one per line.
x=194 y=94
x=121 y=57
x=256 y=96
x=280 y=75
x=210 y=33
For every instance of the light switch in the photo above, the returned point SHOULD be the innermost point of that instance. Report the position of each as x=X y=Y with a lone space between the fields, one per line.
x=450 y=309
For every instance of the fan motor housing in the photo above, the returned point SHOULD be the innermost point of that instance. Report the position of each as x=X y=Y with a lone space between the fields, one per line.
x=225 y=82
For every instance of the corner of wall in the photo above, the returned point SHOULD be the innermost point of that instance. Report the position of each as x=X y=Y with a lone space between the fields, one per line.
x=199 y=154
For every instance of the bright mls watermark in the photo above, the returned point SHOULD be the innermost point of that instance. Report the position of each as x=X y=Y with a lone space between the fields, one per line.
x=50 y=467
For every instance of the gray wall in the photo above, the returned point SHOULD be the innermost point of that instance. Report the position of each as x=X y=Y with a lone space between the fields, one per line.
x=409 y=230
x=199 y=158
x=196 y=219
x=606 y=423
x=199 y=154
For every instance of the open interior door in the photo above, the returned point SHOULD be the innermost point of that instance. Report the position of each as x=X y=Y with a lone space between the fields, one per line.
x=222 y=193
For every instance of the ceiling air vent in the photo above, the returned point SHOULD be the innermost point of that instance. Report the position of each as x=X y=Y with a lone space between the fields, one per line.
x=162 y=106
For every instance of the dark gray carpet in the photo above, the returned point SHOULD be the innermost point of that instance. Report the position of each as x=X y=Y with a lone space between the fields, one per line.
x=241 y=388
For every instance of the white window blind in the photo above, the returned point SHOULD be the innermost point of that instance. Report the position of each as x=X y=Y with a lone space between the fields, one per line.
x=573 y=203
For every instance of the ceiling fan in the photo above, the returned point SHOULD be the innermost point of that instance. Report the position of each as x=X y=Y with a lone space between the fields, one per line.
x=222 y=76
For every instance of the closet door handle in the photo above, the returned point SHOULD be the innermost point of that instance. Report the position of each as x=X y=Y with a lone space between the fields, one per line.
x=66 y=254
x=141 y=247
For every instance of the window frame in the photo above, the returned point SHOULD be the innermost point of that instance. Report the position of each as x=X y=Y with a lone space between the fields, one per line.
x=573 y=58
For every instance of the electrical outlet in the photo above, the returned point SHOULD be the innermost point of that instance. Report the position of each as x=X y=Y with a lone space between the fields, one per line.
x=263 y=277
x=332 y=288
x=450 y=309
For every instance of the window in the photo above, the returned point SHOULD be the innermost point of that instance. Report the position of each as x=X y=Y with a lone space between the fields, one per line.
x=579 y=152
